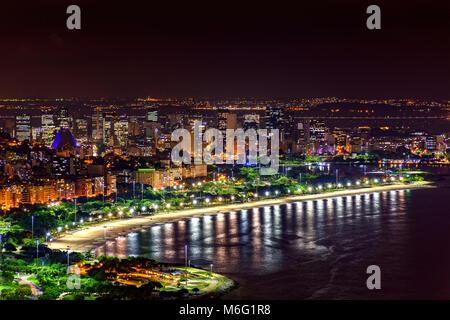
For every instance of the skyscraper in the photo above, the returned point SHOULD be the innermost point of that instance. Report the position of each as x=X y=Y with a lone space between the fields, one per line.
x=121 y=131
x=152 y=114
x=98 y=127
x=81 y=130
x=274 y=117
x=48 y=128
x=63 y=120
x=23 y=127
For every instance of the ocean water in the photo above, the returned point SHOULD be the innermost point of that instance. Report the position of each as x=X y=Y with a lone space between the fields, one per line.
x=315 y=249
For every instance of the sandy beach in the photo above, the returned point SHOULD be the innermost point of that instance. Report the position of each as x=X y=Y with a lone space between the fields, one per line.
x=90 y=237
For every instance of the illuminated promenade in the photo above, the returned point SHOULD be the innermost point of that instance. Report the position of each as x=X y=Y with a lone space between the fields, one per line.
x=91 y=237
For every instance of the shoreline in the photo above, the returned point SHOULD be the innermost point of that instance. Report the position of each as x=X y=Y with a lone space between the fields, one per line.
x=91 y=237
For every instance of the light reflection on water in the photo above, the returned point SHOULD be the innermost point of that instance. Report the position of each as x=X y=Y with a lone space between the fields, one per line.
x=316 y=248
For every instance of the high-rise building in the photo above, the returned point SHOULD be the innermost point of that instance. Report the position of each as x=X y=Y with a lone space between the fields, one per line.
x=23 y=127
x=152 y=114
x=81 y=131
x=274 y=117
x=63 y=120
x=48 y=129
x=121 y=131
x=251 y=121
x=98 y=127
x=226 y=121
x=109 y=130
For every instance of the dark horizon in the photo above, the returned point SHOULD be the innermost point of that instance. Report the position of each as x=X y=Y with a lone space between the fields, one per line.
x=226 y=50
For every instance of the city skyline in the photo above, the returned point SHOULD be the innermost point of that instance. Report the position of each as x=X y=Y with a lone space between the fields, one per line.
x=202 y=152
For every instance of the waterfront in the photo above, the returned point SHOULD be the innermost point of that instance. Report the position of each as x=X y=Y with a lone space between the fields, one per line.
x=315 y=249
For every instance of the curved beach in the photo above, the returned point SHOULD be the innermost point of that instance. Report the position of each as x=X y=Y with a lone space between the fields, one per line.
x=90 y=237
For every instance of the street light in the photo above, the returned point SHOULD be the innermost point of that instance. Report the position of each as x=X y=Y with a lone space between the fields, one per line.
x=37 y=256
x=211 y=266
x=32 y=227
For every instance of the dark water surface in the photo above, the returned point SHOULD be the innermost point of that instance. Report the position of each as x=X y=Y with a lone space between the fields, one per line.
x=315 y=249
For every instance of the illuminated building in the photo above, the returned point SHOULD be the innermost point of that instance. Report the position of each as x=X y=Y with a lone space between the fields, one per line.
x=48 y=129
x=98 y=127
x=23 y=127
x=121 y=131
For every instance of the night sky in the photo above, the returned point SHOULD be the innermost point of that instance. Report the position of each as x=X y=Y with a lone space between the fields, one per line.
x=225 y=48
